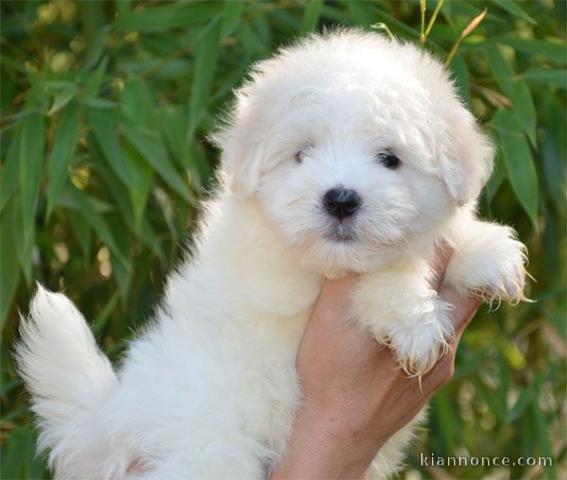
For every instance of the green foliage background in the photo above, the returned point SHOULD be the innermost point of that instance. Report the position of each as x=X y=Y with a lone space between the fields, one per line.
x=104 y=110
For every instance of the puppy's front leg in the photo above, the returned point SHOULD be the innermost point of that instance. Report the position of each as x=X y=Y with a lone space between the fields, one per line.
x=488 y=261
x=402 y=311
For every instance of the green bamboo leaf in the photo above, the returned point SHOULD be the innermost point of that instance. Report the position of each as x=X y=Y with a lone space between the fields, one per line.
x=22 y=250
x=554 y=51
x=489 y=398
x=445 y=419
x=466 y=365
x=158 y=46
x=123 y=6
x=94 y=79
x=462 y=78
x=104 y=130
x=160 y=18
x=264 y=29
x=10 y=272
x=139 y=196
x=130 y=201
x=150 y=146
x=62 y=152
x=511 y=7
x=360 y=12
x=311 y=16
x=524 y=400
x=57 y=86
x=236 y=75
x=136 y=102
x=9 y=84
x=122 y=275
x=333 y=12
x=69 y=199
x=526 y=434
x=518 y=92
x=519 y=162
x=81 y=202
x=32 y=142
x=555 y=150
x=61 y=100
x=96 y=47
x=502 y=71
x=132 y=207
x=101 y=320
x=248 y=38
x=525 y=108
x=496 y=179
x=543 y=433
x=503 y=390
x=546 y=76
x=98 y=103
x=6 y=388
x=35 y=464
x=232 y=13
x=173 y=125
x=120 y=196
x=206 y=56
x=287 y=23
x=82 y=231
x=150 y=239
x=460 y=11
x=16 y=454
x=10 y=170
x=168 y=212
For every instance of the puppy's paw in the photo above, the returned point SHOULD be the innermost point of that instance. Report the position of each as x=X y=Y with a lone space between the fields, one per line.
x=490 y=265
x=417 y=348
x=509 y=279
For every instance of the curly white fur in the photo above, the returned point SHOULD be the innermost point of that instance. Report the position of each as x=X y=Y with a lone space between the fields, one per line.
x=209 y=390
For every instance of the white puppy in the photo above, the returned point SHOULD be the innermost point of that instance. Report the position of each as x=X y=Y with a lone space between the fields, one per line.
x=348 y=152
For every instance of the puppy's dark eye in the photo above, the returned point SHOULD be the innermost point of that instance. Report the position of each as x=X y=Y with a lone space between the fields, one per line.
x=299 y=156
x=389 y=160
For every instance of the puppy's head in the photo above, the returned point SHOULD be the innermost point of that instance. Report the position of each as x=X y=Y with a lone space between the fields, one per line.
x=355 y=146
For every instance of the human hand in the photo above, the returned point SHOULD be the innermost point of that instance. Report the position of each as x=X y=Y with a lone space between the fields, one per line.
x=354 y=395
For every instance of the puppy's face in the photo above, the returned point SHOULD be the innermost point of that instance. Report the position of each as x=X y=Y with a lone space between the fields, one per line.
x=349 y=181
x=352 y=160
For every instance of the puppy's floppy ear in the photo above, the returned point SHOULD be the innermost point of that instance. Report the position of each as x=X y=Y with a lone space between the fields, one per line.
x=242 y=147
x=466 y=155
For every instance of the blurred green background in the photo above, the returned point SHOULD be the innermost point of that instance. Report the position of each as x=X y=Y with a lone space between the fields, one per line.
x=105 y=107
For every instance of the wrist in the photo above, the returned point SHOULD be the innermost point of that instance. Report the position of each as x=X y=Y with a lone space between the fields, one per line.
x=325 y=443
x=345 y=420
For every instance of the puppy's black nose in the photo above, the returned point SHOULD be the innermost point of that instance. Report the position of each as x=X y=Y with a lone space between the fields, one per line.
x=341 y=202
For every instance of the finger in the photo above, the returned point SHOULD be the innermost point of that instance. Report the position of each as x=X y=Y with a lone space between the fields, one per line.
x=334 y=295
x=343 y=282
x=440 y=374
x=441 y=258
x=339 y=287
x=464 y=308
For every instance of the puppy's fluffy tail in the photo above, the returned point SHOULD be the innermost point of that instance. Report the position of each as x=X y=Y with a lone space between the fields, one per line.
x=64 y=370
